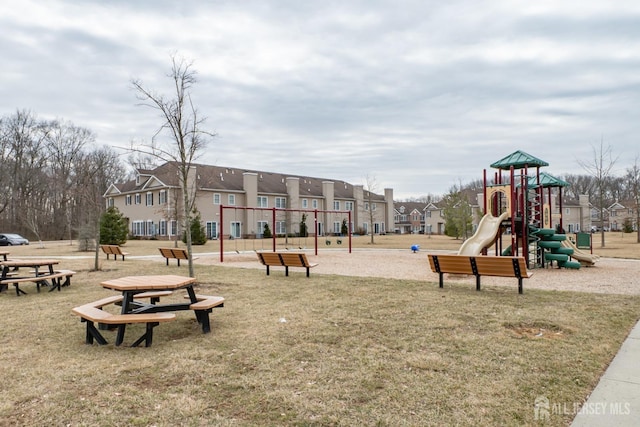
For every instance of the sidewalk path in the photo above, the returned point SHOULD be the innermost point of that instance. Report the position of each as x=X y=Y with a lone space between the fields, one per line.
x=616 y=399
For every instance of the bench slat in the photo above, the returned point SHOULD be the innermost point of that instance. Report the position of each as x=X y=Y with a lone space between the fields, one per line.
x=174 y=253
x=91 y=313
x=498 y=266
x=114 y=250
x=286 y=260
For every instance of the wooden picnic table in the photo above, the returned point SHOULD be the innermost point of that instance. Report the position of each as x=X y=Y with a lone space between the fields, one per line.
x=130 y=286
x=36 y=264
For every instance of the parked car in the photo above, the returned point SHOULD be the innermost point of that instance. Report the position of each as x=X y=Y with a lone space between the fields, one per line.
x=9 y=239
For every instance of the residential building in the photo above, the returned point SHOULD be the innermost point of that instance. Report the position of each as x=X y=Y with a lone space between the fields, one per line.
x=152 y=203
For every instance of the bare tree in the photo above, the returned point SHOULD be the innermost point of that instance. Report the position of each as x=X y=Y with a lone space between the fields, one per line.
x=371 y=186
x=95 y=170
x=600 y=168
x=65 y=144
x=181 y=136
x=633 y=182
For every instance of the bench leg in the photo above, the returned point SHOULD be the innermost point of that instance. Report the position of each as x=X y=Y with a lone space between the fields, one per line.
x=92 y=333
x=478 y=282
x=120 y=336
x=55 y=284
x=267 y=270
x=286 y=270
x=18 y=290
x=441 y=280
x=307 y=271
x=147 y=337
x=167 y=261
x=519 y=285
x=203 y=319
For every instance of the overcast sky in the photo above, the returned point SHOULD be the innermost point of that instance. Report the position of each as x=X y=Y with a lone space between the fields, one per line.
x=420 y=95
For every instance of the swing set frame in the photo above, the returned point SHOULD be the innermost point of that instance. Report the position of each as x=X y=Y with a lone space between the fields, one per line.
x=274 y=212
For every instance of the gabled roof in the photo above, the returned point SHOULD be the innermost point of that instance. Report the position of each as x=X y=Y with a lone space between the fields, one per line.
x=221 y=178
x=409 y=207
x=546 y=181
x=518 y=159
x=112 y=189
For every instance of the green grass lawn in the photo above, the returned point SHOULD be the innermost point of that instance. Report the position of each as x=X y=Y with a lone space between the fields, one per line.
x=324 y=350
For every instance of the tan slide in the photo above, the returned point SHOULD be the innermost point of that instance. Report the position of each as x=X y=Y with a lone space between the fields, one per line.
x=484 y=236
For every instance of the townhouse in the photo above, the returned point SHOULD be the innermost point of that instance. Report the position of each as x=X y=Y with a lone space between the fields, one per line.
x=152 y=203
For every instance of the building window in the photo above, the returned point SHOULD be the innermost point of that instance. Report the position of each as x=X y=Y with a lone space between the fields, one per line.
x=216 y=198
x=173 y=228
x=260 y=229
x=262 y=202
x=232 y=199
x=236 y=229
x=212 y=230
x=151 y=228
x=567 y=211
x=348 y=206
x=127 y=199
x=110 y=202
x=305 y=203
x=281 y=227
x=137 y=228
x=162 y=227
x=162 y=197
x=336 y=227
x=428 y=214
x=281 y=202
x=138 y=199
x=366 y=207
x=336 y=205
x=149 y=199
x=373 y=206
x=314 y=204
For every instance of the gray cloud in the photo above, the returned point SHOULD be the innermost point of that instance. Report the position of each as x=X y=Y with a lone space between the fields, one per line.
x=420 y=94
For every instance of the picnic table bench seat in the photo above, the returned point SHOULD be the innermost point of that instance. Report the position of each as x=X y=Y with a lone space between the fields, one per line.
x=114 y=250
x=286 y=260
x=174 y=253
x=203 y=307
x=478 y=266
x=92 y=313
x=55 y=278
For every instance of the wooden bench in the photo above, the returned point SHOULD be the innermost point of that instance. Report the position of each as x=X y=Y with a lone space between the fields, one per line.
x=203 y=307
x=42 y=279
x=499 y=266
x=286 y=260
x=114 y=250
x=92 y=313
x=174 y=253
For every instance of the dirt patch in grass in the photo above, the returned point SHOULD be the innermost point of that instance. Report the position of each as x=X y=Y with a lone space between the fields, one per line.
x=536 y=330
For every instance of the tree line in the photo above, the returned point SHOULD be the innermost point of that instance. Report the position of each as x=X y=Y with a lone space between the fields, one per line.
x=53 y=178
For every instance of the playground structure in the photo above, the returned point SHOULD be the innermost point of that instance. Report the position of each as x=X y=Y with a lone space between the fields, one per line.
x=281 y=222
x=521 y=202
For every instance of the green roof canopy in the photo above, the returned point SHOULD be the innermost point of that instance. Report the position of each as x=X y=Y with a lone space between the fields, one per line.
x=518 y=159
x=546 y=181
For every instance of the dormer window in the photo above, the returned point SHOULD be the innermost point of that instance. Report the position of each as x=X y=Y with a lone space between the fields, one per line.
x=401 y=209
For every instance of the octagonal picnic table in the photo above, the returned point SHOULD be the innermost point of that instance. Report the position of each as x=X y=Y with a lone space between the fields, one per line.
x=130 y=286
